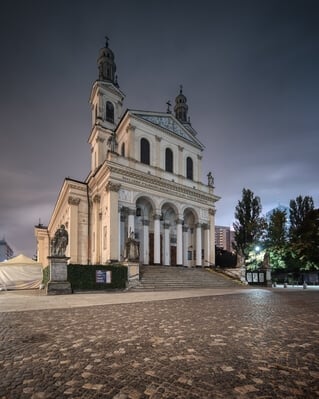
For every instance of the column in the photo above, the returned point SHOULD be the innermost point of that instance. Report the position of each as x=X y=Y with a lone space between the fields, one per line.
x=158 y=153
x=207 y=245
x=96 y=229
x=181 y=167
x=131 y=221
x=112 y=221
x=198 y=244
x=73 y=228
x=122 y=236
x=146 y=254
x=179 y=243
x=157 y=239
x=212 y=212
x=185 y=246
x=167 y=247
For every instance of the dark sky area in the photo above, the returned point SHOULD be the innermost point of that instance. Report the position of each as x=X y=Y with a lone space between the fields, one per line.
x=249 y=71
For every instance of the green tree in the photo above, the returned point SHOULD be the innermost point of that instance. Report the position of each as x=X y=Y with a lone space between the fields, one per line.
x=304 y=243
x=276 y=239
x=249 y=225
x=299 y=209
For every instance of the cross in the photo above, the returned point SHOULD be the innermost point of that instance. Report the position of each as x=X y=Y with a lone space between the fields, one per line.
x=181 y=89
x=106 y=42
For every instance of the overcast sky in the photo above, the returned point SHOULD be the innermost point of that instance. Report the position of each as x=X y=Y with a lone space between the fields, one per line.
x=249 y=71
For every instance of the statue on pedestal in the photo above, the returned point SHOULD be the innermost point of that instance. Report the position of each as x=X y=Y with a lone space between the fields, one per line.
x=59 y=242
x=132 y=250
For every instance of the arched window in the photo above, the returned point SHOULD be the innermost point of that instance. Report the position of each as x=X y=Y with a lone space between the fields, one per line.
x=145 y=151
x=109 y=112
x=189 y=168
x=123 y=150
x=169 y=160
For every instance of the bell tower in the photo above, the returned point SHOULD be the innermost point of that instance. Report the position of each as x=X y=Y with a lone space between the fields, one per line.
x=181 y=107
x=106 y=102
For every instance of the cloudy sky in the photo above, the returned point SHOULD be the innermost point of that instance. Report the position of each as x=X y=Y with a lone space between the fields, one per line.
x=249 y=70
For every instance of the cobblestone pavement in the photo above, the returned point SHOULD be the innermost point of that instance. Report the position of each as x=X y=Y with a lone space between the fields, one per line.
x=259 y=344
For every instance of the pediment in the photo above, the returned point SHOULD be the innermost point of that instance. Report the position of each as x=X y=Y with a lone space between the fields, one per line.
x=170 y=123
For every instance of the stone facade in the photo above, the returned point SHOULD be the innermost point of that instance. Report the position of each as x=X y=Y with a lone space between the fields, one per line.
x=145 y=180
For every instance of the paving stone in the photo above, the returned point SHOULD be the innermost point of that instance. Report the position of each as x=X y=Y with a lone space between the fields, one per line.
x=261 y=344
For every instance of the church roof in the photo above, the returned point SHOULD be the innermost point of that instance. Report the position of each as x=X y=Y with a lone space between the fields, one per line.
x=168 y=122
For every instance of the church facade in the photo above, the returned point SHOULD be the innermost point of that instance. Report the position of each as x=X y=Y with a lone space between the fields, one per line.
x=145 y=182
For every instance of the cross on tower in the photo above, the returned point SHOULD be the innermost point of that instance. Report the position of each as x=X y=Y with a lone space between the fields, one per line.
x=106 y=42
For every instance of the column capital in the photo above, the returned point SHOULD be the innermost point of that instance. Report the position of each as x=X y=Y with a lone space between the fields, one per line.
x=185 y=229
x=198 y=225
x=97 y=199
x=111 y=186
x=73 y=200
x=131 y=211
x=179 y=221
x=145 y=222
x=166 y=225
x=206 y=226
x=212 y=211
x=157 y=216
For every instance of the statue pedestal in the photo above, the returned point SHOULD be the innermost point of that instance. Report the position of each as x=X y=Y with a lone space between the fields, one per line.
x=133 y=273
x=58 y=284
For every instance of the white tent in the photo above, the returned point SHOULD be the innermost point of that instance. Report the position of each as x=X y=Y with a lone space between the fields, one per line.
x=20 y=273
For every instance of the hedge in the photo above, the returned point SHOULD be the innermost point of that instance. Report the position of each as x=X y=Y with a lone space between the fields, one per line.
x=83 y=277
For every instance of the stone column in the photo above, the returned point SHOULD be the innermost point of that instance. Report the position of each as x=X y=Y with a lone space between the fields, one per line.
x=112 y=221
x=181 y=168
x=157 y=239
x=146 y=254
x=166 y=244
x=207 y=245
x=212 y=212
x=131 y=221
x=198 y=244
x=123 y=238
x=73 y=228
x=185 y=246
x=158 y=152
x=179 y=243
x=96 y=230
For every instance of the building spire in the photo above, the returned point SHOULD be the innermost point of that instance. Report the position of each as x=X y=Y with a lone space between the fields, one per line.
x=181 y=107
x=106 y=64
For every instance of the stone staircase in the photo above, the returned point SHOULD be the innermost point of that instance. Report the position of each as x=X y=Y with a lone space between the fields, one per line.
x=156 y=278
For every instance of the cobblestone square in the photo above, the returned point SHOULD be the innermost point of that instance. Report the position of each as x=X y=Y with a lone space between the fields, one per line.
x=255 y=344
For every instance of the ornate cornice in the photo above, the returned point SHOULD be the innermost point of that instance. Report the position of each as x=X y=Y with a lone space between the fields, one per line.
x=151 y=182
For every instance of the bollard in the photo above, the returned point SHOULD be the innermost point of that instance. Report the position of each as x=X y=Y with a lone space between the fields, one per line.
x=285 y=285
x=304 y=285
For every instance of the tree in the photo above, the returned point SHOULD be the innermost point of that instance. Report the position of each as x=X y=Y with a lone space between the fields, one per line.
x=305 y=241
x=276 y=239
x=299 y=208
x=249 y=225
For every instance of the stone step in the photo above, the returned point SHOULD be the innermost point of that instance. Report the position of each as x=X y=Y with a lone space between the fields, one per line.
x=171 y=277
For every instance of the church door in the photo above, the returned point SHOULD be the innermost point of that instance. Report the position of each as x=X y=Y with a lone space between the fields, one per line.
x=151 y=249
x=173 y=255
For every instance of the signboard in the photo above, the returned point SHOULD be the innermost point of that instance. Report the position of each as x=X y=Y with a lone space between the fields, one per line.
x=103 y=276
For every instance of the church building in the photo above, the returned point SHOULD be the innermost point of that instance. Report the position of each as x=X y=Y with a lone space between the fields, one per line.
x=145 y=182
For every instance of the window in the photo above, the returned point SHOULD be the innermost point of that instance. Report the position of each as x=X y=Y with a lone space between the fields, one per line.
x=123 y=150
x=189 y=168
x=169 y=160
x=145 y=151
x=109 y=114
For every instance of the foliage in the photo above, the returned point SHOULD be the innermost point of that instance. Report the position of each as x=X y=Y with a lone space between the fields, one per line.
x=299 y=208
x=304 y=243
x=276 y=239
x=83 y=277
x=249 y=226
x=225 y=258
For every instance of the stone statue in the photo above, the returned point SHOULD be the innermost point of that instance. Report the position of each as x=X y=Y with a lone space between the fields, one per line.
x=59 y=242
x=266 y=261
x=132 y=250
x=210 y=180
x=111 y=143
